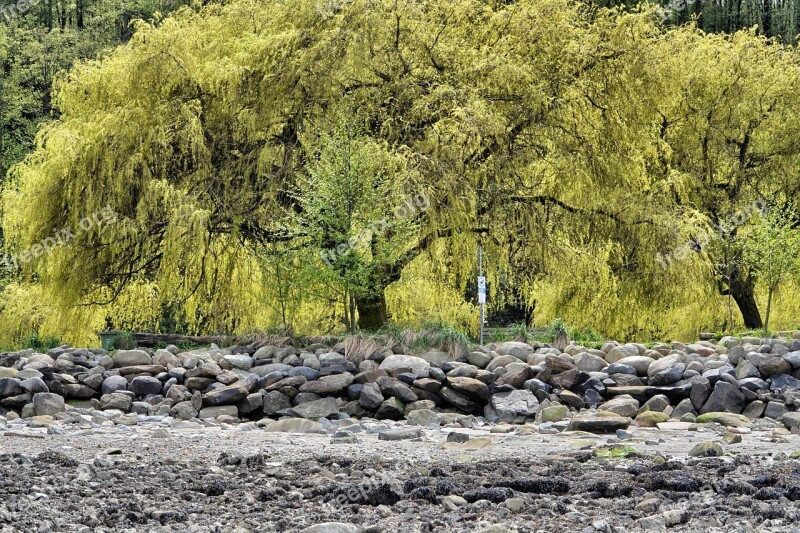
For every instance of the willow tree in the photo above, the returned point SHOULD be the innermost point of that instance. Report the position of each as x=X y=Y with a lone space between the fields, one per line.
x=207 y=136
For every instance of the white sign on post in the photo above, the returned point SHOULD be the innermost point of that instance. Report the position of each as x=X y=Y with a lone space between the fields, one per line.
x=481 y=289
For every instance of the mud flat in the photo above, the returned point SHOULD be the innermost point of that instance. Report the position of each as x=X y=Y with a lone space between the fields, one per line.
x=371 y=475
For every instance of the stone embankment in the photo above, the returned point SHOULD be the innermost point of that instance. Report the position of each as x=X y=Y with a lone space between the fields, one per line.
x=511 y=382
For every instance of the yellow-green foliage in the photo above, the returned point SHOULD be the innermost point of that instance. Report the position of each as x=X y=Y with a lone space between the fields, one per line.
x=582 y=148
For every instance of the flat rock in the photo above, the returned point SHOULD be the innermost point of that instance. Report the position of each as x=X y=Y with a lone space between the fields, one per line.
x=599 y=424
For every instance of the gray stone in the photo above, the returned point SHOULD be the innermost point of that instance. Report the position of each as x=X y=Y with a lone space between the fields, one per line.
x=746 y=369
x=480 y=359
x=400 y=434
x=423 y=417
x=665 y=371
x=183 y=411
x=371 y=397
x=322 y=408
x=517 y=349
x=417 y=365
x=775 y=410
x=10 y=387
x=219 y=410
x=473 y=389
x=725 y=398
x=338 y=382
x=125 y=358
x=225 y=395
x=33 y=385
x=275 y=401
x=332 y=527
x=46 y=403
x=114 y=384
x=391 y=409
x=791 y=420
x=143 y=385
x=116 y=400
x=512 y=407
x=587 y=362
x=609 y=424
x=240 y=361
x=623 y=405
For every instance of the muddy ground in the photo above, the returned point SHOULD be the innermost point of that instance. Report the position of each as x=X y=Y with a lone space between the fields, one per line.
x=247 y=479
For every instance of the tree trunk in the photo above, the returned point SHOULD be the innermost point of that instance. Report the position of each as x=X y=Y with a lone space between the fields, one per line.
x=743 y=292
x=769 y=307
x=372 y=314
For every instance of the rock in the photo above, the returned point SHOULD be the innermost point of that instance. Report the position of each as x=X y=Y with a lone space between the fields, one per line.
x=338 y=382
x=295 y=425
x=780 y=381
x=114 y=384
x=144 y=385
x=775 y=410
x=658 y=403
x=479 y=359
x=724 y=398
x=726 y=419
x=554 y=413
x=400 y=434
x=608 y=424
x=423 y=417
x=746 y=369
x=571 y=399
x=772 y=366
x=473 y=389
x=665 y=371
x=46 y=403
x=623 y=405
x=183 y=411
x=125 y=358
x=371 y=397
x=517 y=349
x=791 y=420
x=706 y=449
x=685 y=406
x=275 y=401
x=240 y=361
x=515 y=378
x=391 y=409
x=225 y=395
x=165 y=358
x=332 y=527
x=10 y=387
x=754 y=409
x=314 y=410
x=649 y=419
x=396 y=388
x=458 y=400
x=618 y=353
x=587 y=362
x=417 y=365
x=512 y=407
x=116 y=400
x=217 y=411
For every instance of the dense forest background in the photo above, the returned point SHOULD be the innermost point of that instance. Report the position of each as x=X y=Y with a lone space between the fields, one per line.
x=58 y=56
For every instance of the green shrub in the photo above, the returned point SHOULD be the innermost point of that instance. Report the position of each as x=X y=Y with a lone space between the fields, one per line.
x=124 y=341
x=40 y=343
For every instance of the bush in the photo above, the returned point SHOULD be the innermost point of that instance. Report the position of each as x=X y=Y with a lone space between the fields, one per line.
x=124 y=341
x=41 y=343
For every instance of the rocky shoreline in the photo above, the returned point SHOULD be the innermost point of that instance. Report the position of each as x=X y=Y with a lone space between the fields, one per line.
x=510 y=382
x=515 y=437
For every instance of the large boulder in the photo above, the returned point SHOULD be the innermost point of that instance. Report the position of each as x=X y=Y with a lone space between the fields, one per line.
x=114 y=384
x=640 y=363
x=10 y=387
x=144 y=385
x=46 y=403
x=665 y=371
x=225 y=395
x=397 y=362
x=520 y=350
x=623 y=405
x=725 y=398
x=125 y=358
x=371 y=396
x=512 y=407
x=587 y=362
x=471 y=388
x=314 y=410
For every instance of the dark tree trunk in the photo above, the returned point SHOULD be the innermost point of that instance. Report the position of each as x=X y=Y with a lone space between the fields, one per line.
x=372 y=314
x=743 y=291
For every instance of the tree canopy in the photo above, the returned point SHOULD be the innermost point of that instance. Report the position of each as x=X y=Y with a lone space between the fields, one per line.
x=579 y=146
